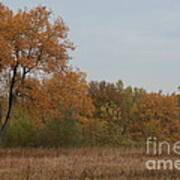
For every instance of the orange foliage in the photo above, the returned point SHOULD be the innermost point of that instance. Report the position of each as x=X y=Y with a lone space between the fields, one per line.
x=31 y=46
x=156 y=114
x=56 y=96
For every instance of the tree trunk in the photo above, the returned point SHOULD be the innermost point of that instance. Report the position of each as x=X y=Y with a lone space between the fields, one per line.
x=10 y=101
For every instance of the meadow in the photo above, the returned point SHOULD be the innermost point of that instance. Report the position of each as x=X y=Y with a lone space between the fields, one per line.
x=79 y=164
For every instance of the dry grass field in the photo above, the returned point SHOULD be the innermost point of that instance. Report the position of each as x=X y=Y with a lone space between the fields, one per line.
x=78 y=164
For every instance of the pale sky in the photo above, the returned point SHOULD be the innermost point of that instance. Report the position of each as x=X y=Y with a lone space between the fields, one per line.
x=137 y=41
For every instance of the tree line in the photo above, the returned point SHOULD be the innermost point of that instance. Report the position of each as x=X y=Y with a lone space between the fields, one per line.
x=46 y=102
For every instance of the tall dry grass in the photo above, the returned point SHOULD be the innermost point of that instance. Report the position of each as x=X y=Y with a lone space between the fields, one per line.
x=78 y=164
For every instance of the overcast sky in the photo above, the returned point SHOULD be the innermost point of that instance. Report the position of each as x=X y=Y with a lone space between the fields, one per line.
x=137 y=41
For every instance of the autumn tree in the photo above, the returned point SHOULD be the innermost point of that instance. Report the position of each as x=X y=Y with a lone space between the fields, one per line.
x=61 y=95
x=155 y=114
x=31 y=45
x=113 y=112
x=53 y=112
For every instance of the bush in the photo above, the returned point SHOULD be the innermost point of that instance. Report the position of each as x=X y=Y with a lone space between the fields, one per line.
x=58 y=132
x=20 y=133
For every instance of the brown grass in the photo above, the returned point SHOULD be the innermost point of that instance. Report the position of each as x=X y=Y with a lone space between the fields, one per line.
x=78 y=164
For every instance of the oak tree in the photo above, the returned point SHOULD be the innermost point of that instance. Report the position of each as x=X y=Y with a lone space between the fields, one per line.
x=31 y=45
